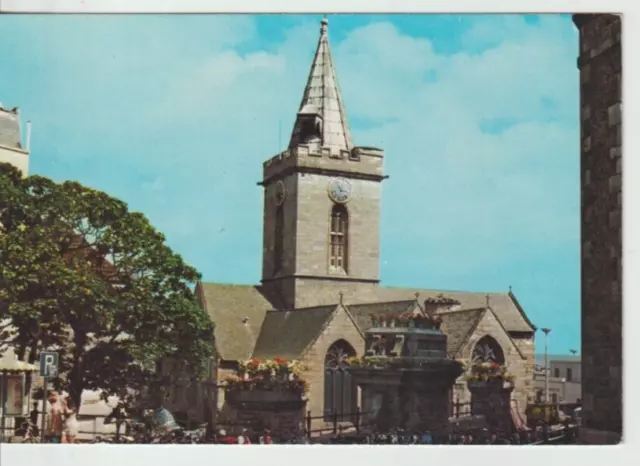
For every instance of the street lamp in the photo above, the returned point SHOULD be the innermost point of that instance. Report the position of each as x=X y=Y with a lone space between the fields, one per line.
x=546 y=364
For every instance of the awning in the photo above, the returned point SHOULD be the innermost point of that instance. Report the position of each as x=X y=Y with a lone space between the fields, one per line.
x=9 y=362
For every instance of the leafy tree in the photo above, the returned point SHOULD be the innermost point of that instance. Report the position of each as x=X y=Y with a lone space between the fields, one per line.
x=81 y=274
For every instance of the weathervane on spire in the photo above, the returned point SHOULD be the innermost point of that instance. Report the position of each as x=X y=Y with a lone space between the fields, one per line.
x=324 y=24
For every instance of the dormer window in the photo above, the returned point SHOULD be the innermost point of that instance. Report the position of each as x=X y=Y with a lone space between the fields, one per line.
x=309 y=125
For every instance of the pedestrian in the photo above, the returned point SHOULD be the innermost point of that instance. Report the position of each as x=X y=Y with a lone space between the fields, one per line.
x=54 y=424
x=266 y=438
x=243 y=438
x=427 y=439
x=71 y=425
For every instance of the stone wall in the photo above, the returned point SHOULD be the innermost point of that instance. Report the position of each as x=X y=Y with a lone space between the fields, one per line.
x=19 y=158
x=340 y=327
x=516 y=364
x=600 y=68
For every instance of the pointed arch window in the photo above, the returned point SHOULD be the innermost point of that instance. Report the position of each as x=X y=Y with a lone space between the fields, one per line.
x=278 y=249
x=339 y=237
x=488 y=350
x=340 y=392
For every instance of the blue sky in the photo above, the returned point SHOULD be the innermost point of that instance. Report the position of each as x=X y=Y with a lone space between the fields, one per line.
x=478 y=115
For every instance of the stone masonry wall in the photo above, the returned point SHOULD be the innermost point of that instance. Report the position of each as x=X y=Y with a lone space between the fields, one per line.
x=339 y=327
x=516 y=365
x=600 y=68
x=313 y=229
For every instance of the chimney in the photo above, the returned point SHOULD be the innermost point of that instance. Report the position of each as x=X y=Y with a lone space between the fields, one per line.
x=28 y=144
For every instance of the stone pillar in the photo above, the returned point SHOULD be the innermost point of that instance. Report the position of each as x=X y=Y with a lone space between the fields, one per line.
x=433 y=409
x=492 y=399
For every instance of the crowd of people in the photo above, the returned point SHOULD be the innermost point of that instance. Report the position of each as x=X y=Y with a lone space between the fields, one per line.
x=159 y=426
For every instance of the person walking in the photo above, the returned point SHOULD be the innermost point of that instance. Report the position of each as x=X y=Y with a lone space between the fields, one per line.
x=71 y=424
x=55 y=424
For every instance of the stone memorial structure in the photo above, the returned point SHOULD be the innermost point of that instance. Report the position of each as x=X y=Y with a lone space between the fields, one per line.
x=269 y=394
x=405 y=376
x=491 y=388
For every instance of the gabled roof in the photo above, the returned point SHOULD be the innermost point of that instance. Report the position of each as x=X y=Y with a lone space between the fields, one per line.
x=286 y=334
x=237 y=312
x=10 y=128
x=362 y=312
x=503 y=305
x=322 y=97
x=459 y=326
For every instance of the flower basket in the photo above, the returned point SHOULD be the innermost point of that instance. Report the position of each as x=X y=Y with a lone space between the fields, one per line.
x=271 y=374
x=407 y=320
x=488 y=372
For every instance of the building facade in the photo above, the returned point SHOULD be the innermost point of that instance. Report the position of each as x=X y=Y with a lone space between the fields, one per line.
x=565 y=380
x=320 y=268
x=12 y=149
x=600 y=65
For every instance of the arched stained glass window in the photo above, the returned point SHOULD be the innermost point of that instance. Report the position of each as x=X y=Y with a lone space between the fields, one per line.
x=488 y=350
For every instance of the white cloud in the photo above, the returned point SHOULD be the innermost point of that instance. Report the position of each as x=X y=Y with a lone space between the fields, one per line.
x=215 y=108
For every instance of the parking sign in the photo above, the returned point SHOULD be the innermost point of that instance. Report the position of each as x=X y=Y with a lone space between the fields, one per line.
x=48 y=364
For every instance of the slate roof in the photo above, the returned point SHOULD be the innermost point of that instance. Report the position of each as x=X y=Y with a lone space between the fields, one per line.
x=458 y=326
x=228 y=306
x=322 y=97
x=287 y=334
x=10 y=128
x=504 y=305
x=362 y=312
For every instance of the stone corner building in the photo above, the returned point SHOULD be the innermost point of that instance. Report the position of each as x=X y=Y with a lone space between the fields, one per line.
x=600 y=65
x=320 y=267
x=12 y=150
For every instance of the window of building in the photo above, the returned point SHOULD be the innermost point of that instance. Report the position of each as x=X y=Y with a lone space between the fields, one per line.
x=554 y=398
x=340 y=392
x=539 y=396
x=556 y=372
x=569 y=374
x=339 y=237
x=488 y=350
x=278 y=249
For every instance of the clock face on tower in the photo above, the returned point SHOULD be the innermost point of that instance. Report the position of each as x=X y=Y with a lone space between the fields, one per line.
x=281 y=192
x=339 y=190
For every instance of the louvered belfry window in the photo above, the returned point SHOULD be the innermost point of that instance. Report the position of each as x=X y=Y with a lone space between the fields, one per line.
x=278 y=249
x=339 y=237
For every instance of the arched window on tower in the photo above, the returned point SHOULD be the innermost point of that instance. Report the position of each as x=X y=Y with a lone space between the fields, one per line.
x=278 y=249
x=340 y=392
x=339 y=237
x=488 y=350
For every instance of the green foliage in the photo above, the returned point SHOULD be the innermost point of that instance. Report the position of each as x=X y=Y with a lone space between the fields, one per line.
x=82 y=275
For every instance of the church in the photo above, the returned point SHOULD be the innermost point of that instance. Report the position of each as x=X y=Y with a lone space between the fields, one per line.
x=320 y=267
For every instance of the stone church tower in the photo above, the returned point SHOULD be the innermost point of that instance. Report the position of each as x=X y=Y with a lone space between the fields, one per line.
x=320 y=268
x=11 y=148
x=321 y=196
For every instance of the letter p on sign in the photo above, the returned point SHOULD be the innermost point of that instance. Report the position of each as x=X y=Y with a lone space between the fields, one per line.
x=48 y=364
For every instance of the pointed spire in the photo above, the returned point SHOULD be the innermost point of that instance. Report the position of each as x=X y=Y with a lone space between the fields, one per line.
x=321 y=118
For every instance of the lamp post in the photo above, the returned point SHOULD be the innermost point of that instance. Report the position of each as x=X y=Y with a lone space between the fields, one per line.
x=546 y=365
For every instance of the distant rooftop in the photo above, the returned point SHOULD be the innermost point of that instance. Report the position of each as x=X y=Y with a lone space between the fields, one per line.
x=10 y=127
x=557 y=358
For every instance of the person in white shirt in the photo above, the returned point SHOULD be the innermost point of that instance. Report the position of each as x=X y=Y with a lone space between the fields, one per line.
x=71 y=425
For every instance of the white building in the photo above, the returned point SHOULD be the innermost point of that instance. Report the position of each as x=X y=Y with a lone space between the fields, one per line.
x=12 y=149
